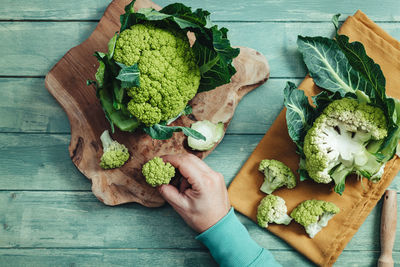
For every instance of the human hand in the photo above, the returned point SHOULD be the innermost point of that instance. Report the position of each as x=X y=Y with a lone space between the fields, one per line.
x=202 y=199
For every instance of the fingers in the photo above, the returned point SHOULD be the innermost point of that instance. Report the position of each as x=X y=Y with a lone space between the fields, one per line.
x=171 y=194
x=184 y=185
x=191 y=167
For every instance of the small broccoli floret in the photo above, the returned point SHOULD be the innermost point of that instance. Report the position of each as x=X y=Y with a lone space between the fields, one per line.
x=314 y=215
x=211 y=131
x=169 y=74
x=157 y=172
x=272 y=209
x=277 y=174
x=114 y=154
x=338 y=142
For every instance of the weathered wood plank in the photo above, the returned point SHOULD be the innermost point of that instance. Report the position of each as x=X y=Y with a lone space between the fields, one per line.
x=166 y=257
x=26 y=106
x=256 y=10
x=32 y=48
x=41 y=162
x=37 y=162
x=45 y=219
x=104 y=257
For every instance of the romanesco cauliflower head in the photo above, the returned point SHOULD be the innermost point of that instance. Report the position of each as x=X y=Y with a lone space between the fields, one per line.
x=314 y=215
x=114 y=154
x=157 y=172
x=277 y=174
x=337 y=143
x=272 y=209
x=169 y=74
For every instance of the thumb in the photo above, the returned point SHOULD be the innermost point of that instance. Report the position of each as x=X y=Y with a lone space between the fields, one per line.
x=171 y=194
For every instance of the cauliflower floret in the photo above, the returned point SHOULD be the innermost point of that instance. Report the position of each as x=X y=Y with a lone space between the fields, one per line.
x=277 y=174
x=157 y=172
x=114 y=154
x=169 y=74
x=272 y=209
x=337 y=143
x=145 y=113
x=314 y=215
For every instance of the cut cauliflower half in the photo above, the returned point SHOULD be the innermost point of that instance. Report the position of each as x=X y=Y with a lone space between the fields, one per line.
x=337 y=143
x=314 y=215
x=272 y=209
x=169 y=74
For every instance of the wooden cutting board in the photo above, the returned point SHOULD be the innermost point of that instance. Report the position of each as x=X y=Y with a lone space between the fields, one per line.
x=67 y=83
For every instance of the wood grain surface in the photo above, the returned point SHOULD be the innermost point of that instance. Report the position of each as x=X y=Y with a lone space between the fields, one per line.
x=66 y=82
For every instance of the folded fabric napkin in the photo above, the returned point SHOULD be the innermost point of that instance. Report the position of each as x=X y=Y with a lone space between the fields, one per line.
x=358 y=198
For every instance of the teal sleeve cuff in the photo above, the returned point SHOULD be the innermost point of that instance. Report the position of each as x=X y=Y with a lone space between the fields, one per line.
x=231 y=245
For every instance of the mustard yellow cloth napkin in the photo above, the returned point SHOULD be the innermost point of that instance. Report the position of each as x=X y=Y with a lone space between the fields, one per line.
x=358 y=200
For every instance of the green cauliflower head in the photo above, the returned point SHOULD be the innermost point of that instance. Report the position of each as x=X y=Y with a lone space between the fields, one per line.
x=337 y=143
x=277 y=174
x=157 y=172
x=169 y=74
x=272 y=209
x=114 y=154
x=314 y=215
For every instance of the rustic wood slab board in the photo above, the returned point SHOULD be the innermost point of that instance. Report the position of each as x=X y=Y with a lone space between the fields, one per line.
x=67 y=83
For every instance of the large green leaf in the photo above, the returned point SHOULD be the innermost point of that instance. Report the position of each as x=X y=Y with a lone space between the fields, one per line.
x=299 y=113
x=329 y=67
x=371 y=72
x=361 y=62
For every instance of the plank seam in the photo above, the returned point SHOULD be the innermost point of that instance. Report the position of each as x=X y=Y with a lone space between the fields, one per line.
x=68 y=133
x=178 y=249
x=219 y=21
x=42 y=77
x=63 y=191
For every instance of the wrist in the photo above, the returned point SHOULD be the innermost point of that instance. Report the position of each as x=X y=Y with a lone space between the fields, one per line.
x=229 y=242
x=212 y=220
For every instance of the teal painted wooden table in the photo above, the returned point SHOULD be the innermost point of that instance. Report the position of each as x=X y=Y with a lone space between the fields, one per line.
x=48 y=215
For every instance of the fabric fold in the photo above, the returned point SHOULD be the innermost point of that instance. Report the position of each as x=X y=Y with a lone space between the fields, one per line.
x=358 y=198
